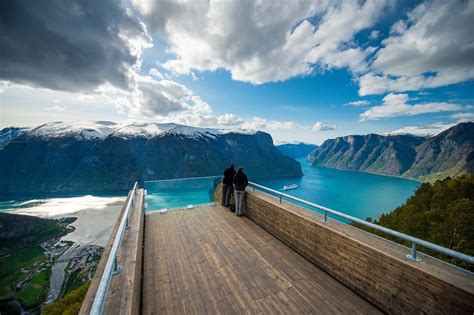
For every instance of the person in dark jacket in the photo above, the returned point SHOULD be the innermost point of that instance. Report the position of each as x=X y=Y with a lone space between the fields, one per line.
x=227 y=185
x=240 y=182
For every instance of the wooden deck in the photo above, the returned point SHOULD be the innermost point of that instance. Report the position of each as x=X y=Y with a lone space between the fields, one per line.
x=209 y=261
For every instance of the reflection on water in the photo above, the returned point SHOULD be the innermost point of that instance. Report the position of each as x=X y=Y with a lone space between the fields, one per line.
x=95 y=215
x=55 y=207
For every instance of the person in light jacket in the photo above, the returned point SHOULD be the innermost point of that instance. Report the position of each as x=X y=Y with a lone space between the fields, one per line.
x=240 y=182
x=227 y=185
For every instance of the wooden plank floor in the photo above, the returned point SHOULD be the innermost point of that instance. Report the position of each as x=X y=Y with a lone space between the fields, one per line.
x=209 y=261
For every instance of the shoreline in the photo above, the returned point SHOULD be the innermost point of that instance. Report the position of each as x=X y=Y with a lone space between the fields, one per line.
x=368 y=172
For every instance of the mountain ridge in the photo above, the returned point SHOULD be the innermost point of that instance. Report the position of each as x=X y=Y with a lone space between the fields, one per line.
x=449 y=153
x=78 y=157
x=296 y=149
x=103 y=129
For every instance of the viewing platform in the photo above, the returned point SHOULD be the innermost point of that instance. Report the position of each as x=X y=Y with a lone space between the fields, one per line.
x=279 y=258
x=209 y=261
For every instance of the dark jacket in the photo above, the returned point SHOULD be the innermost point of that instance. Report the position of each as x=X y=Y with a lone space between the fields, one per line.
x=229 y=176
x=240 y=181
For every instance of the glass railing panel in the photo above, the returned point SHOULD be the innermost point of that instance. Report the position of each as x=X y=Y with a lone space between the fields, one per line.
x=180 y=193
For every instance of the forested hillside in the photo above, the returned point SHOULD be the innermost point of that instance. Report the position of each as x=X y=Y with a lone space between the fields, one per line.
x=441 y=213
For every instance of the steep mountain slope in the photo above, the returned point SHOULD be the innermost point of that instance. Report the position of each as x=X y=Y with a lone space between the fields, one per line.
x=296 y=150
x=10 y=133
x=390 y=155
x=104 y=156
x=18 y=231
x=449 y=153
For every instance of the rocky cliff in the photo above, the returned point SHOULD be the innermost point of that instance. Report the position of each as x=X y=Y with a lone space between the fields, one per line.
x=449 y=153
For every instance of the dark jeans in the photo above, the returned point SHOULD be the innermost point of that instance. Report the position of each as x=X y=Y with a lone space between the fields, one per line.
x=226 y=194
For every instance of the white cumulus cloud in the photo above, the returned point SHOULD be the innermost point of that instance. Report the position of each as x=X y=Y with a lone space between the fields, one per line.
x=264 y=124
x=155 y=73
x=358 y=103
x=463 y=117
x=319 y=126
x=433 y=47
x=397 y=105
x=262 y=41
x=374 y=35
x=157 y=98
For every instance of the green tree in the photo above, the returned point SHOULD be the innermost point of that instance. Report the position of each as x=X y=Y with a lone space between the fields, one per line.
x=441 y=213
x=68 y=305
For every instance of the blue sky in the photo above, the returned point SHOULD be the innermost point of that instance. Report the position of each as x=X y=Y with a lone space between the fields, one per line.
x=300 y=70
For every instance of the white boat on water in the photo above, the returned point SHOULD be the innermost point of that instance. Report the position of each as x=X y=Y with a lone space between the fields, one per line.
x=288 y=187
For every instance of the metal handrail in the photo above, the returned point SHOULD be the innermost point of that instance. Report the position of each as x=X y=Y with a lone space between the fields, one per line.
x=184 y=178
x=111 y=266
x=415 y=241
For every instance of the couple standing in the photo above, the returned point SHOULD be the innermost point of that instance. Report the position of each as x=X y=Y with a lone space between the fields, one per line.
x=239 y=181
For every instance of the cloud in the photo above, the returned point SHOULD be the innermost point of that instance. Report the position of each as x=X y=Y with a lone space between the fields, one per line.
x=319 y=126
x=264 y=124
x=155 y=73
x=229 y=120
x=165 y=100
x=3 y=86
x=433 y=47
x=280 y=41
x=397 y=105
x=157 y=98
x=72 y=46
x=206 y=120
x=374 y=35
x=58 y=108
x=358 y=103
x=463 y=117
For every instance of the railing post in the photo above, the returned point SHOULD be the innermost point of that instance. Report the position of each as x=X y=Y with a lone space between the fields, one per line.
x=127 y=225
x=325 y=217
x=413 y=255
x=117 y=268
x=280 y=199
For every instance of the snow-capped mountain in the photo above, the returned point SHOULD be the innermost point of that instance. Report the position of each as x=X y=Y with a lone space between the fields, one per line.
x=10 y=133
x=80 y=129
x=103 y=129
x=101 y=155
x=421 y=131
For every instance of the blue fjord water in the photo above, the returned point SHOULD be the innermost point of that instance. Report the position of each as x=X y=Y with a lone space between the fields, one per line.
x=355 y=193
x=358 y=194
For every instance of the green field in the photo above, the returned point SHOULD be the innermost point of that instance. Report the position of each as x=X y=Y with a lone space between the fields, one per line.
x=34 y=293
x=11 y=265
